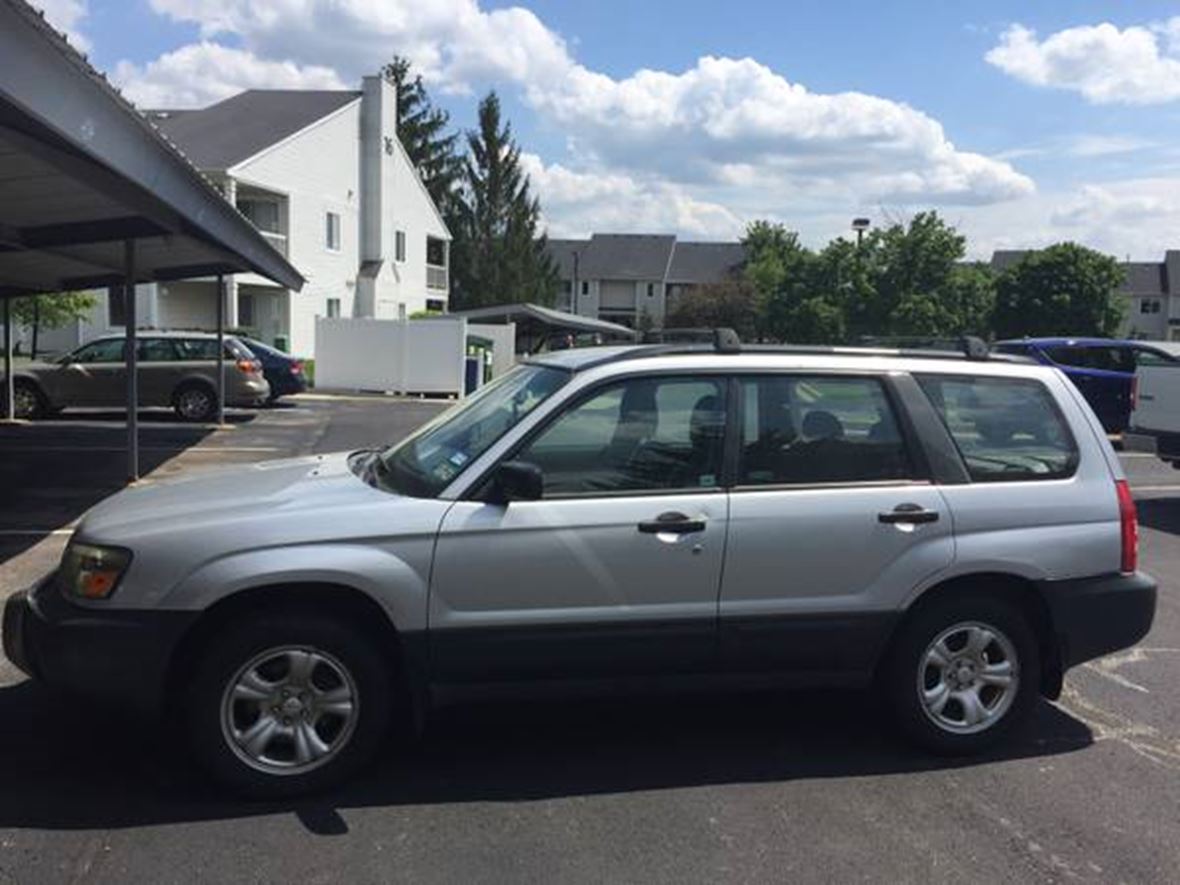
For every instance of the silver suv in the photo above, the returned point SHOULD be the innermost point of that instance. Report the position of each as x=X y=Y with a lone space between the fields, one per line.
x=956 y=532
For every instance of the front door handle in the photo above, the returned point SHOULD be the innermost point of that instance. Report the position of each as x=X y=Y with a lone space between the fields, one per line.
x=908 y=513
x=672 y=523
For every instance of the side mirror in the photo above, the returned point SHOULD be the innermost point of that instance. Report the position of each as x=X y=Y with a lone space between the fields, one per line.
x=517 y=481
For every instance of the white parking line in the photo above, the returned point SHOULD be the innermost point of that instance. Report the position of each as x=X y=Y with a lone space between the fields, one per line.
x=1175 y=487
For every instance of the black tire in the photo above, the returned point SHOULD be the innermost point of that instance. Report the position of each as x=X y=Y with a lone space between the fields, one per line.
x=29 y=402
x=908 y=654
x=220 y=667
x=195 y=402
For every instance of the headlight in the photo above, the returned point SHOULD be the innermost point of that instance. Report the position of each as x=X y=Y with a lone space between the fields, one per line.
x=92 y=572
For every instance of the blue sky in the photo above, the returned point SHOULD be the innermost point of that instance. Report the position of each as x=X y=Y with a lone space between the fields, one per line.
x=1022 y=122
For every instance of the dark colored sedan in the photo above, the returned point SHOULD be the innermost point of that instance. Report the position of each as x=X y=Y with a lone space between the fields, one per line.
x=283 y=371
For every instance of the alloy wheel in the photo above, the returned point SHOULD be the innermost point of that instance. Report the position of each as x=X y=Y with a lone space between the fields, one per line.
x=289 y=710
x=968 y=677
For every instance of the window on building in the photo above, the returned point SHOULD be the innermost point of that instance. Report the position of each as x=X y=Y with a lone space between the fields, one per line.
x=116 y=306
x=801 y=430
x=1149 y=305
x=436 y=252
x=436 y=304
x=399 y=246
x=585 y=287
x=1006 y=429
x=640 y=435
x=333 y=308
x=263 y=214
x=651 y=290
x=332 y=232
x=245 y=310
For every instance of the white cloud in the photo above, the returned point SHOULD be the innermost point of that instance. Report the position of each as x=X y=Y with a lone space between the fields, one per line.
x=66 y=16
x=1135 y=65
x=722 y=130
x=203 y=73
x=1135 y=217
x=576 y=204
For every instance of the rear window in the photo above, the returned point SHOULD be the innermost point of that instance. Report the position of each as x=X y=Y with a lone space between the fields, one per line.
x=1005 y=428
x=1112 y=358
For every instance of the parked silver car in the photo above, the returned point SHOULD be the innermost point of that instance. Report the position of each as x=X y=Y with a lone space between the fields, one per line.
x=955 y=532
x=177 y=370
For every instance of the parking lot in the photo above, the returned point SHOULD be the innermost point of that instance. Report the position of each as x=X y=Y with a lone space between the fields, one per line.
x=761 y=787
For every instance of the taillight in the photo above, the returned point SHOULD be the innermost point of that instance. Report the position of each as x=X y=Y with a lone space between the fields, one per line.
x=1134 y=392
x=1128 y=527
x=249 y=366
x=297 y=367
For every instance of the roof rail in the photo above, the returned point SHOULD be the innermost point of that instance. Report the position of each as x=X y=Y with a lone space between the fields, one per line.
x=726 y=341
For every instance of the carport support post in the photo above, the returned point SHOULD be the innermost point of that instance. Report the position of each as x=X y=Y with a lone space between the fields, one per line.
x=132 y=360
x=9 y=387
x=221 y=296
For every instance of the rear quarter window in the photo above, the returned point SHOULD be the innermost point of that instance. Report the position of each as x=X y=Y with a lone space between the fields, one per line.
x=1006 y=429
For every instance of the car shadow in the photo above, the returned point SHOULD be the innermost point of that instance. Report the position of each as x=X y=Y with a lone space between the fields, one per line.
x=66 y=767
x=1161 y=514
x=51 y=472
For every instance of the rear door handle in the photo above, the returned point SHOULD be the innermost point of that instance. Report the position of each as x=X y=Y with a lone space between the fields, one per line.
x=908 y=513
x=672 y=523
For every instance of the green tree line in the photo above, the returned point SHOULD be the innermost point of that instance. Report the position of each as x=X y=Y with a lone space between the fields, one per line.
x=908 y=280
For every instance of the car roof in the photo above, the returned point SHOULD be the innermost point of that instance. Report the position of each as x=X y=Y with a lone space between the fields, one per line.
x=1083 y=342
x=163 y=333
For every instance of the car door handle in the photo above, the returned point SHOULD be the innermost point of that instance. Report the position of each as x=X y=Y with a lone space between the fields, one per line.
x=672 y=523
x=908 y=513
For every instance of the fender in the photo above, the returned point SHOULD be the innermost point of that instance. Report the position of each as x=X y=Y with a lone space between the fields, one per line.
x=397 y=582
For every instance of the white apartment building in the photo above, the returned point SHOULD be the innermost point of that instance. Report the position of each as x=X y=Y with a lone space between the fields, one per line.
x=323 y=175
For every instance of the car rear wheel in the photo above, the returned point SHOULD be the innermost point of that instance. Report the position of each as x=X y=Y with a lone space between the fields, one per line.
x=286 y=705
x=964 y=673
x=195 y=402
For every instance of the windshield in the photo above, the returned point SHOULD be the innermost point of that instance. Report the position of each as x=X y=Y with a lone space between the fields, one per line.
x=425 y=463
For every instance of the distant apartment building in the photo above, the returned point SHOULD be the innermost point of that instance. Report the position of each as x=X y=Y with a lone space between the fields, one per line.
x=624 y=278
x=323 y=175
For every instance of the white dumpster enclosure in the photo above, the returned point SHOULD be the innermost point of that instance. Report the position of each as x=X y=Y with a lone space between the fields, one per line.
x=399 y=356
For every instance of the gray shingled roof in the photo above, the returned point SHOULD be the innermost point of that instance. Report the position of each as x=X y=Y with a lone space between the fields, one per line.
x=705 y=262
x=1144 y=278
x=222 y=135
x=1005 y=258
x=562 y=252
x=626 y=257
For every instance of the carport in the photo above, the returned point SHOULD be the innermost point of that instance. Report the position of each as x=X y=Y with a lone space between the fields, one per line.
x=93 y=196
x=535 y=324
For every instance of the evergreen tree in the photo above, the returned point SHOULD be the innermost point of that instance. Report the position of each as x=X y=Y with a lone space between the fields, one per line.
x=497 y=256
x=422 y=129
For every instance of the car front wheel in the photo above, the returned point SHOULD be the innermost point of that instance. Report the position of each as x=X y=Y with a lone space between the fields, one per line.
x=964 y=673
x=289 y=705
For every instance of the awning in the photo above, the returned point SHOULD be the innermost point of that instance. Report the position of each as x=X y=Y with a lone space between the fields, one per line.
x=535 y=322
x=81 y=172
x=92 y=195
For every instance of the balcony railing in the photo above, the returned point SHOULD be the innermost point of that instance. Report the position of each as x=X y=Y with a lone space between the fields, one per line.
x=278 y=241
x=436 y=277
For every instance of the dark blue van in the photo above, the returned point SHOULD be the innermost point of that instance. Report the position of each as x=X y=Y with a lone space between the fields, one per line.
x=1102 y=368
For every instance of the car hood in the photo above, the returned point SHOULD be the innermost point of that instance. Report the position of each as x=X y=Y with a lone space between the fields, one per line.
x=267 y=490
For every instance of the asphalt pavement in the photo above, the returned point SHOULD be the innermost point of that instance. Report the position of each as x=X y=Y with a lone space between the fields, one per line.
x=794 y=787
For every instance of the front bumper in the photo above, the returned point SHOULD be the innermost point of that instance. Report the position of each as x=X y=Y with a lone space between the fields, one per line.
x=1093 y=617
x=110 y=654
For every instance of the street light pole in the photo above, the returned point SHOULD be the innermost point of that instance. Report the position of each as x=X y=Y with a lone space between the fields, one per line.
x=860 y=225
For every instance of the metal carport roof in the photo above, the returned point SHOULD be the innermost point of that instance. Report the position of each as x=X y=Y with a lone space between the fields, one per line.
x=91 y=194
x=547 y=317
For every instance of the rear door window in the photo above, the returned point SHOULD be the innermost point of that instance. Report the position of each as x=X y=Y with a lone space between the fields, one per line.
x=156 y=350
x=809 y=429
x=1005 y=428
